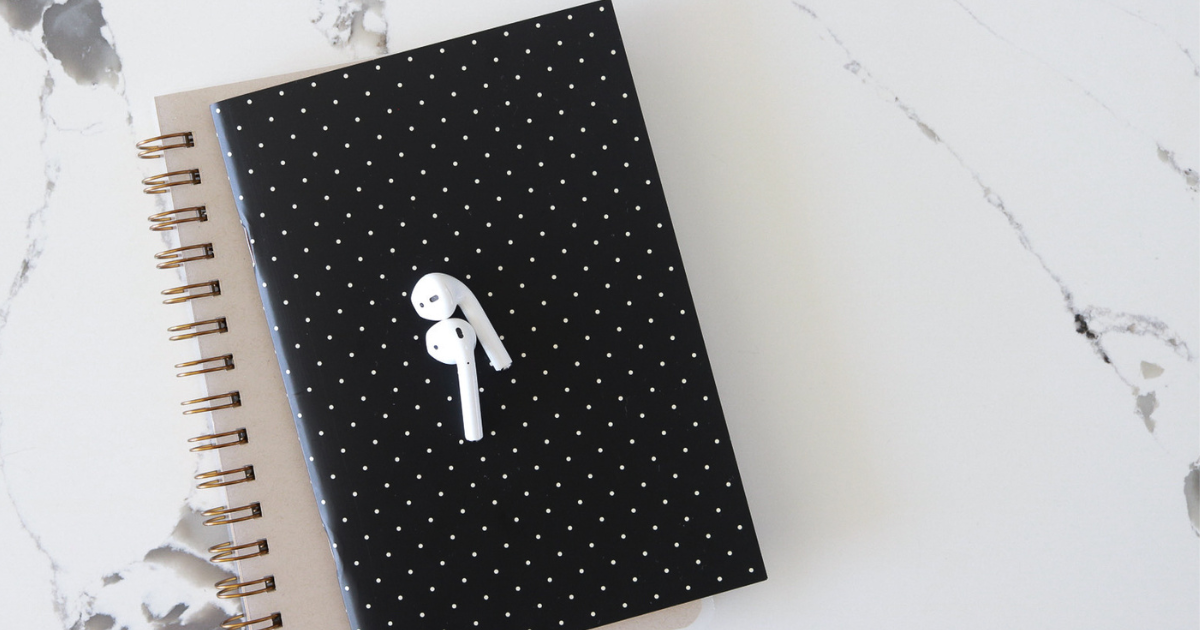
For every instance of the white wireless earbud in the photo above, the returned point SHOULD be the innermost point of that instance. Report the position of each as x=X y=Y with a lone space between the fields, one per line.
x=435 y=297
x=452 y=341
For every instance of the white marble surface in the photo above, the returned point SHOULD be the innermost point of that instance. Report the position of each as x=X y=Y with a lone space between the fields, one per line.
x=945 y=254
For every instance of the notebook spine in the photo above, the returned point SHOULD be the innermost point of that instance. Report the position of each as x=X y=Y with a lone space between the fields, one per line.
x=234 y=587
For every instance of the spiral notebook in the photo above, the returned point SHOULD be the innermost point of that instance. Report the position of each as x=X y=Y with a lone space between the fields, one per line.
x=517 y=160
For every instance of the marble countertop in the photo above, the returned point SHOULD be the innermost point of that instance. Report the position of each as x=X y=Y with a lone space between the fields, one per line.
x=945 y=255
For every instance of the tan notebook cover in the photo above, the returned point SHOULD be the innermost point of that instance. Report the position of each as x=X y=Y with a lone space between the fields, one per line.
x=307 y=593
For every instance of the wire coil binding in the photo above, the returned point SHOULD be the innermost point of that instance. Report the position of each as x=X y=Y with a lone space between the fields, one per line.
x=235 y=400
x=175 y=257
x=185 y=292
x=162 y=183
x=241 y=437
x=229 y=552
x=230 y=588
x=225 y=363
x=164 y=221
x=225 y=515
x=218 y=325
x=147 y=150
x=237 y=622
x=216 y=477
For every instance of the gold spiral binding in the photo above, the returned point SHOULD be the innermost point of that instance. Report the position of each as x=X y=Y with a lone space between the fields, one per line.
x=175 y=257
x=214 y=477
x=236 y=622
x=229 y=552
x=164 y=221
x=162 y=183
x=147 y=150
x=219 y=325
x=242 y=438
x=214 y=289
x=235 y=400
x=230 y=588
x=226 y=364
x=225 y=515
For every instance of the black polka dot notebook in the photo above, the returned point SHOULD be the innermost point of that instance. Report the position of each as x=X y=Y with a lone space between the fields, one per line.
x=515 y=160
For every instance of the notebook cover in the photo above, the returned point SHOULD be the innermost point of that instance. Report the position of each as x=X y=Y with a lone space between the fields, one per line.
x=308 y=594
x=515 y=159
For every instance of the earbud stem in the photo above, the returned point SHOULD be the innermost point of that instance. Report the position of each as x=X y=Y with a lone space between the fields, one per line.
x=488 y=338
x=468 y=391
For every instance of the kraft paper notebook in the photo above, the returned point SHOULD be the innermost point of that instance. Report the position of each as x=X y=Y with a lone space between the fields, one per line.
x=516 y=160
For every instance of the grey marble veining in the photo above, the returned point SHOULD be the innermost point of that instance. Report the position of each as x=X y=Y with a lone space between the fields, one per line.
x=361 y=24
x=1092 y=322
